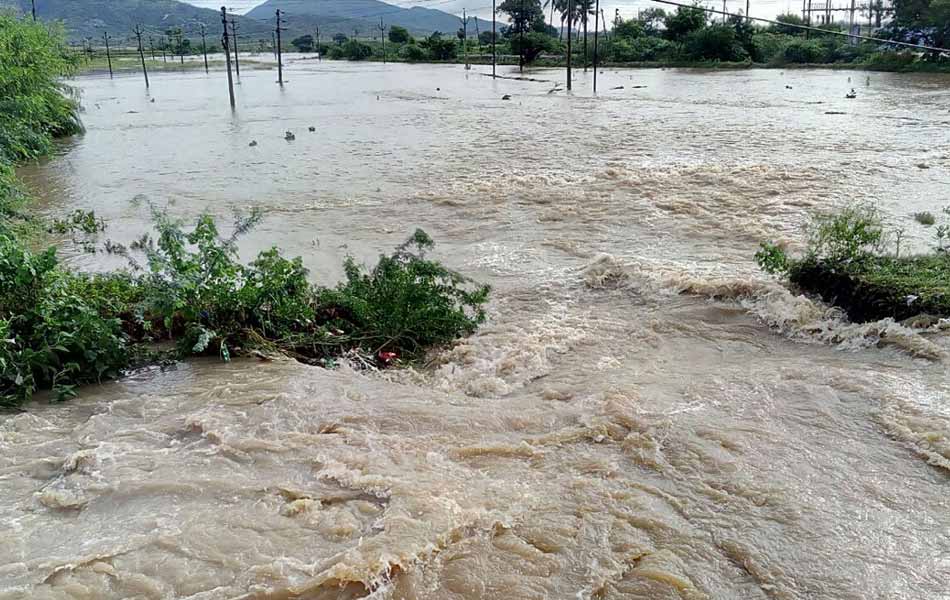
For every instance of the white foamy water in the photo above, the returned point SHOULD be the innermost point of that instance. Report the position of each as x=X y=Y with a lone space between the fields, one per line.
x=645 y=415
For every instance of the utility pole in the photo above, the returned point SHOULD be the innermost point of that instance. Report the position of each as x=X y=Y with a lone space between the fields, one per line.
x=234 y=40
x=747 y=12
x=280 y=66
x=382 y=37
x=33 y=5
x=164 y=58
x=151 y=47
x=227 y=53
x=808 y=21
x=723 y=12
x=464 y=20
x=138 y=34
x=804 y=10
x=477 y=41
x=596 y=36
x=604 y=18
x=204 y=46
x=108 y=53
x=570 y=15
x=493 y=57
x=524 y=22
x=273 y=44
x=181 y=48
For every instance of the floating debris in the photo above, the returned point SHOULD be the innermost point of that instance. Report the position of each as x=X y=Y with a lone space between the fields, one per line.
x=311 y=129
x=289 y=136
x=506 y=97
x=253 y=143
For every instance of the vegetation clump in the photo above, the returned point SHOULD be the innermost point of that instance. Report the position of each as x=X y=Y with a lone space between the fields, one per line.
x=847 y=262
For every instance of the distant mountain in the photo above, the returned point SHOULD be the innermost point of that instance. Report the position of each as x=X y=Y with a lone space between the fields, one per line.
x=334 y=16
x=91 y=18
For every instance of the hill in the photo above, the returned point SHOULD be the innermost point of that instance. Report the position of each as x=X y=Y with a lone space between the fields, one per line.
x=91 y=18
x=334 y=16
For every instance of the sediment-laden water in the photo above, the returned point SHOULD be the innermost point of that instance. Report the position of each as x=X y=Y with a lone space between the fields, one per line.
x=644 y=416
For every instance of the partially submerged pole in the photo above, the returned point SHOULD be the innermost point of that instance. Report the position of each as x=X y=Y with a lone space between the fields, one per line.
x=227 y=53
x=493 y=57
x=108 y=53
x=570 y=17
x=138 y=35
x=204 y=46
x=280 y=65
x=524 y=22
x=596 y=37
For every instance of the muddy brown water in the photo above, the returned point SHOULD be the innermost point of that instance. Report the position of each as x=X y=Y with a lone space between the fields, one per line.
x=644 y=416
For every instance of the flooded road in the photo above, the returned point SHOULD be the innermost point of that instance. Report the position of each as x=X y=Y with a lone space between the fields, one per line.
x=644 y=416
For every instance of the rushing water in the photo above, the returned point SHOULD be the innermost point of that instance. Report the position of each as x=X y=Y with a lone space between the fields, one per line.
x=644 y=416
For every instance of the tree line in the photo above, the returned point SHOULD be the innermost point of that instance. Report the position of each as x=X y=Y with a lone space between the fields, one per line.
x=537 y=30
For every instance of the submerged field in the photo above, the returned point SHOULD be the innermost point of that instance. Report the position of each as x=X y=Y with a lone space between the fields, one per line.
x=645 y=414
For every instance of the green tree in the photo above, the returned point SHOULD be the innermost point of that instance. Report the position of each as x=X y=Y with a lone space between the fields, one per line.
x=629 y=29
x=683 y=22
x=716 y=42
x=790 y=19
x=534 y=44
x=340 y=39
x=929 y=19
x=524 y=15
x=485 y=38
x=651 y=19
x=399 y=35
x=440 y=48
x=303 y=43
x=357 y=50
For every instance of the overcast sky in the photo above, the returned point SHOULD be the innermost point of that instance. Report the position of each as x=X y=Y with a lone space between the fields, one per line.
x=482 y=8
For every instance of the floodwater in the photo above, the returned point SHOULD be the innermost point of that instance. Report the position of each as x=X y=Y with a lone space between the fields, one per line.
x=645 y=416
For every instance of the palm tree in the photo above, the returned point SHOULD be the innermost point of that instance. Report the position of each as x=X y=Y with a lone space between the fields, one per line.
x=553 y=4
x=567 y=6
x=584 y=8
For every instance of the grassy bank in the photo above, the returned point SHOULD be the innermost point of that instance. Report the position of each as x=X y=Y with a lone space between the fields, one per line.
x=184 y=284
x=853 y=261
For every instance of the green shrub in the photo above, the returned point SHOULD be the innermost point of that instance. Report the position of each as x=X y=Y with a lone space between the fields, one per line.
x=772 y=258
x=61 y=329
x=35 y=106
x=802 y=52
x=851 y=234
x=891 y=60
x=641 y=49
x=534 y=44
x=717 y=42
x=356 y=50
x=925 y=218
x=407 y=302
x=413 y=53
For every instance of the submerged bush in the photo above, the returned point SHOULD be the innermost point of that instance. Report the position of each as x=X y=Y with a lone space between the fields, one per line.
x=61 y=329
